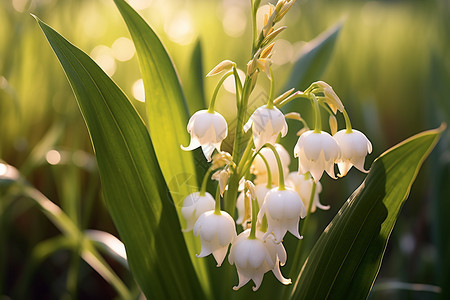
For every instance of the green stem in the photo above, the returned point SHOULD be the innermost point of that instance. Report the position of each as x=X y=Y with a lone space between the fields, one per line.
x=255 y=209
x=216 y=90
x=204 y=182
x=269 y=173
x=348 y=124
x=281 y=185
x=317 y=117
x=217 y=207
x=292 y=97
x=272 y=91
x=238 y=85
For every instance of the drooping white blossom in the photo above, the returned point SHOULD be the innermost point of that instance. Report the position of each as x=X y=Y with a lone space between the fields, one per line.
x=283 y=209
x=259 y=168
x=207 y=130
x=354 y=148
x=267 y=124
x=216 y=232
x=254 y=257
x=316 y=152
x=303 y=185
x=194 y=205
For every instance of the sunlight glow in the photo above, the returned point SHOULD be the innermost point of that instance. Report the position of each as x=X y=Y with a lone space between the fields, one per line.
x=140 y=4
x=3 y=169
x=283 y=52
x=53 y=157
x=20 y=5
x=123 y=49
x=228 y=84
x=234 y=22
x=180 y=28
x=138 y=90
x=103 y=56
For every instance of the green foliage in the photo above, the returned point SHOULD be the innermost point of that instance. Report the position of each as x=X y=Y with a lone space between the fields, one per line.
x=133 y=186
x=346 y=259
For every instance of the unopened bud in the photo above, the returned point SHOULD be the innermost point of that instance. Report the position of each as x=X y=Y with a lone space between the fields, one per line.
x=272 y=35
x=293 y=116
x=222 y=66
x=287 y=5
x=221 y=159
x=333 y=124
x=330 y=96
x=251 y=188
x=267 y=51
x=283 y=96
x=302 y=131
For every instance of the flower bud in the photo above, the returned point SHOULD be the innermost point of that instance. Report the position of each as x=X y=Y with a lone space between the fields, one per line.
x=222 y=66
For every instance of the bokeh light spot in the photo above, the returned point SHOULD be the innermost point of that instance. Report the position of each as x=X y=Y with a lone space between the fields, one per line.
x=229 y=84
x=123 y=49
x=104 y=58
x=180 y=28
x=53 y=157
x=138 y=90
x=234 y=22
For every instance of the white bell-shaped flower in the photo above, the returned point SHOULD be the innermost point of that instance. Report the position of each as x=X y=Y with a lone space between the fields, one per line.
x=194 y=205
x=303 y=185
x=354 y=148
x=283 y=209
x=259 y=168
x=317 y=152
x=254 y=257
x=267 y=124
x=207 y=130
x=216 y=232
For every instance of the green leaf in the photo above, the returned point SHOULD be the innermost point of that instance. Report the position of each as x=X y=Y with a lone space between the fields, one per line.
x=134 y=189
x=167 y=118
x=347 y=257
x=194 y=87
x=166 y=106
x=314 y=59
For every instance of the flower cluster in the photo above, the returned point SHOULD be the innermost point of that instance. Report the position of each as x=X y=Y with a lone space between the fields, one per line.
x=272 y=200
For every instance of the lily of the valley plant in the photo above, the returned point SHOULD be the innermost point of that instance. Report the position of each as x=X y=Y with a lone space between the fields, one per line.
x=270 y=201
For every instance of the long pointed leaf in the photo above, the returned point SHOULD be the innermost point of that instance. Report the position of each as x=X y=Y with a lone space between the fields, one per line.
x=167 y=113
x=134 y=189
x=347 y=257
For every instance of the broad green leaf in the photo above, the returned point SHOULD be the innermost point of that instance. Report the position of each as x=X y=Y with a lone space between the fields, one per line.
x=347 y=257
x=194 y=87
x=314 y=59
x=133 y=185
x=166 y=106
x=167 y=118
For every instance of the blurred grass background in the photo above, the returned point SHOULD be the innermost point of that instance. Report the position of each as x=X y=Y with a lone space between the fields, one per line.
x=390 y=67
